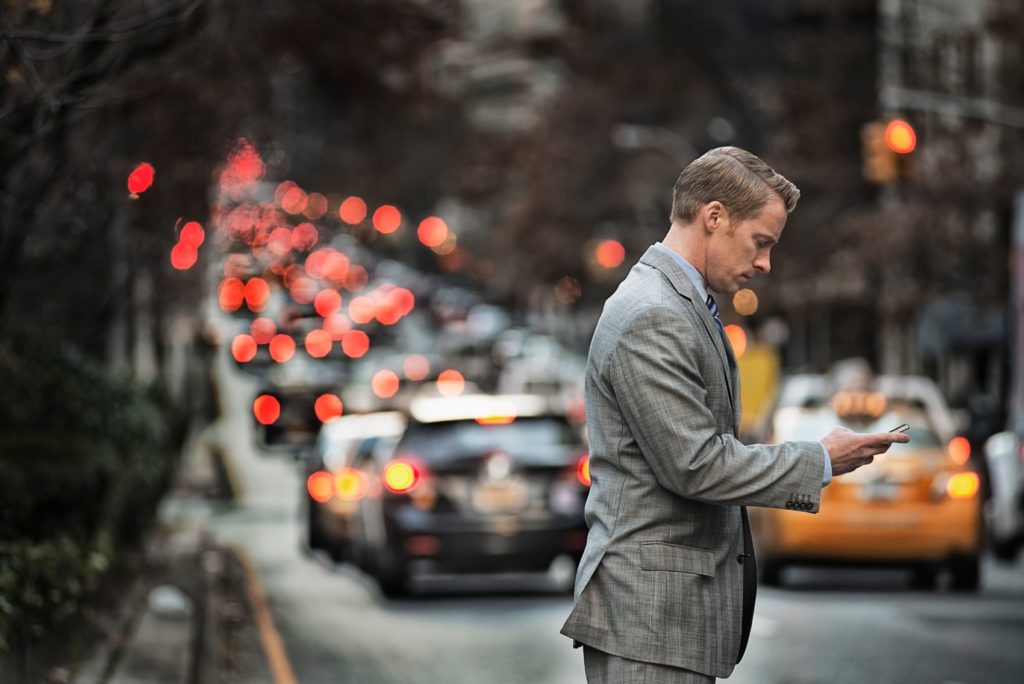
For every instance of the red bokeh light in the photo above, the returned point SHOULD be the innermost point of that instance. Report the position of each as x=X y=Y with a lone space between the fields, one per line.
x=294 y=200
x=304 y=236
x=432 y=231
x=280 y=241
x=737 y=338
x=184 y=256
x=244 y=167
x=387 y=219
x=450 y=383
x=335 y=268
x=352 y=211
x=404 y=300
x=318 y=343
x=385 y=384
x=900 y=137
x=362 y=310
x=316 y=206
x=282 y=348
x=141 y=178
x=327 y=302
x=267 y=409
x=328 y=408
x=610 y=253
x=262 y=329
x=356 y=279
x=355 y=343
x=257 y=294
x=231 y=294
x=336 y=326
x=320 y=486
x=192 y=234
x=303 y=290
x=282 y=190
x=416 y=367
x=243 y=348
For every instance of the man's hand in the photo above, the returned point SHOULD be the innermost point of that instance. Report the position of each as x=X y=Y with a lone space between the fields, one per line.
x=850 y=450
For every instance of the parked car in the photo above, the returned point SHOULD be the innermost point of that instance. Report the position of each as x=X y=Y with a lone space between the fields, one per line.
x=1004 y=454
x=333 y=486
x=476 y=483
x=918 y=505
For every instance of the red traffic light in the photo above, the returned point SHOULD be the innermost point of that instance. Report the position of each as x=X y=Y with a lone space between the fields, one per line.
x=900 y=137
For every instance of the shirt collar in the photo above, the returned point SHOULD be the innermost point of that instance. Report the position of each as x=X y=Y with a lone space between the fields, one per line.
x=691 y=272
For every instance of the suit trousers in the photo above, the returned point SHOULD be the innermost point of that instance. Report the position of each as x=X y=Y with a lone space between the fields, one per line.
x=604 y=668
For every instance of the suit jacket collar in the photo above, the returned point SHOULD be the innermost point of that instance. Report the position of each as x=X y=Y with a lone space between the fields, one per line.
x=656 y=258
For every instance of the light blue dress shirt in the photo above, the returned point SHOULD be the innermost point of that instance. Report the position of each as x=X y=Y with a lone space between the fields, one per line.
x=698 y=283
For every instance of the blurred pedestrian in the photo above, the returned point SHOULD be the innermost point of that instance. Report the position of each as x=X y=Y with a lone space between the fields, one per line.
x=665 y=589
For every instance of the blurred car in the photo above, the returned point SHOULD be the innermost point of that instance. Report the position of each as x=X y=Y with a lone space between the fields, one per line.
x=477 y=483
x=333 y=486
x=1004 y=454
x=917 y=505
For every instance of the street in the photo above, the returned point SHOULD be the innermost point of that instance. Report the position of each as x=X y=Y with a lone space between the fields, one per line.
x=824 y=626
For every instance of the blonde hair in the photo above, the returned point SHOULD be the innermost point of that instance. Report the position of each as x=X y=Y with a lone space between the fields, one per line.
x=741 y=181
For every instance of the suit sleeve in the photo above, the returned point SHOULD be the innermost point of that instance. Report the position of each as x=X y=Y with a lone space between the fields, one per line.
x=664 y=400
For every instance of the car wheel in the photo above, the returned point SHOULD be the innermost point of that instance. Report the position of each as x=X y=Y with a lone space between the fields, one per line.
x=1006 y=550
x=769 y=571
x=315 y=538
x=966 y=571
x=924 y=577
x=394 y=583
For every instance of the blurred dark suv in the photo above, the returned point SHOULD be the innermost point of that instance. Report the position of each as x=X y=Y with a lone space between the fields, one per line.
x=476 y=484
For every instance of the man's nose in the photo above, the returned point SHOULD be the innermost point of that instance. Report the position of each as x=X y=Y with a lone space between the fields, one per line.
x=763 y=264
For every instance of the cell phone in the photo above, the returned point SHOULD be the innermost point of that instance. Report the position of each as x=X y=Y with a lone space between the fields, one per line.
x=900 y=428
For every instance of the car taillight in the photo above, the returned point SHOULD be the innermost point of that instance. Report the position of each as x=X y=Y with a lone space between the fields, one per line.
x=583 y=470
x=350 y=484
x=401 y=476
x=320 y=487
x=959 y=450
x=963 y=485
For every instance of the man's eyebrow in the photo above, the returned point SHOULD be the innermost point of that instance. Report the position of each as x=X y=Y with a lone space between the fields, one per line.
x=767 y=238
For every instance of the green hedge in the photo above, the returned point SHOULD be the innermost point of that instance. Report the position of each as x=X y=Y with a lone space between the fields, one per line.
x=84 y=459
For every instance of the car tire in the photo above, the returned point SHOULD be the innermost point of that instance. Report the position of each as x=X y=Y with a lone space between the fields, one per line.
x=769 y=572
x=1006 y=550
x=315 y=537
x=966 y=573
x=394 y=583
x=925 y=578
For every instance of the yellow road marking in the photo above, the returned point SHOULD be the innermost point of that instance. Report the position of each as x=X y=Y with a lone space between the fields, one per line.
x=273 y=645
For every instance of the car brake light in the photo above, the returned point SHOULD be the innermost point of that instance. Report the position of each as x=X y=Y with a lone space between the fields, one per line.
x=963 y=485
x=401 y=476
x=320 y=487
x=583 y=470
x=350 y=484
x=959 y=450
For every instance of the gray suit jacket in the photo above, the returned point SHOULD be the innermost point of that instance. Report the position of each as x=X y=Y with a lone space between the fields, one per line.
x=659 y=580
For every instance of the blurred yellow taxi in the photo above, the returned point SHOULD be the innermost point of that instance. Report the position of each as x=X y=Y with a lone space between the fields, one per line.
x=917 y=505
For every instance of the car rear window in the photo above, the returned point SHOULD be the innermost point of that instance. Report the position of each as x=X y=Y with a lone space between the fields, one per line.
x=537 y=440
x=812 y=424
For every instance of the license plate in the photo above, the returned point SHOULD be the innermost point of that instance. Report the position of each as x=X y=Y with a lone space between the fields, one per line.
x=499 y=497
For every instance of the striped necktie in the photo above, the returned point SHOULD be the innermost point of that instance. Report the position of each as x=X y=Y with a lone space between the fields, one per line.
x=713 y=308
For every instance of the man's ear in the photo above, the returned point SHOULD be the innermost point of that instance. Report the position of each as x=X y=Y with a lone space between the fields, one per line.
x=713 y=213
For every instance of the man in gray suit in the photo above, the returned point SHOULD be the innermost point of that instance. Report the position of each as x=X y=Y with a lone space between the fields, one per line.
x=665 y=589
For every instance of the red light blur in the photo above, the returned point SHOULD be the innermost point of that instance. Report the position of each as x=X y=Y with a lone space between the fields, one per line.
x=141 y=178
x=280 y=241
x=356 y=279
x=315 y=262
x=350 y=484
x=184 y=256
x=282 y=348
x=257 y=294
x=262 y=329
x=432 y=231
x=335 y=268
x=737 y=338
x=303 y=290
x=192 y=234
x=231 y=294
x=385 y=384
x=567 y=290
x=610 y=253
x=416 y=367
x=361 y=310
x=900 y=137
x=959 y=450
x=963 y=485
x=328 y=408
x=243 y=348
x=304 y=237
x=352 y=210
x=450 y=383
x=583 y=470
x=355 y=343
x=327 y=302
x=244 y=167
x=318 y=343
x=405 y=300
x=320 y=486
x=316 y=206
x=387 y=219
x=282 y=189
x=266 y=409
x=294 y=200
x=336 y=326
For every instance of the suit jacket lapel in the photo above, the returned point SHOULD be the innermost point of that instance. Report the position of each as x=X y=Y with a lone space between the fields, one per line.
x=655 y=258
